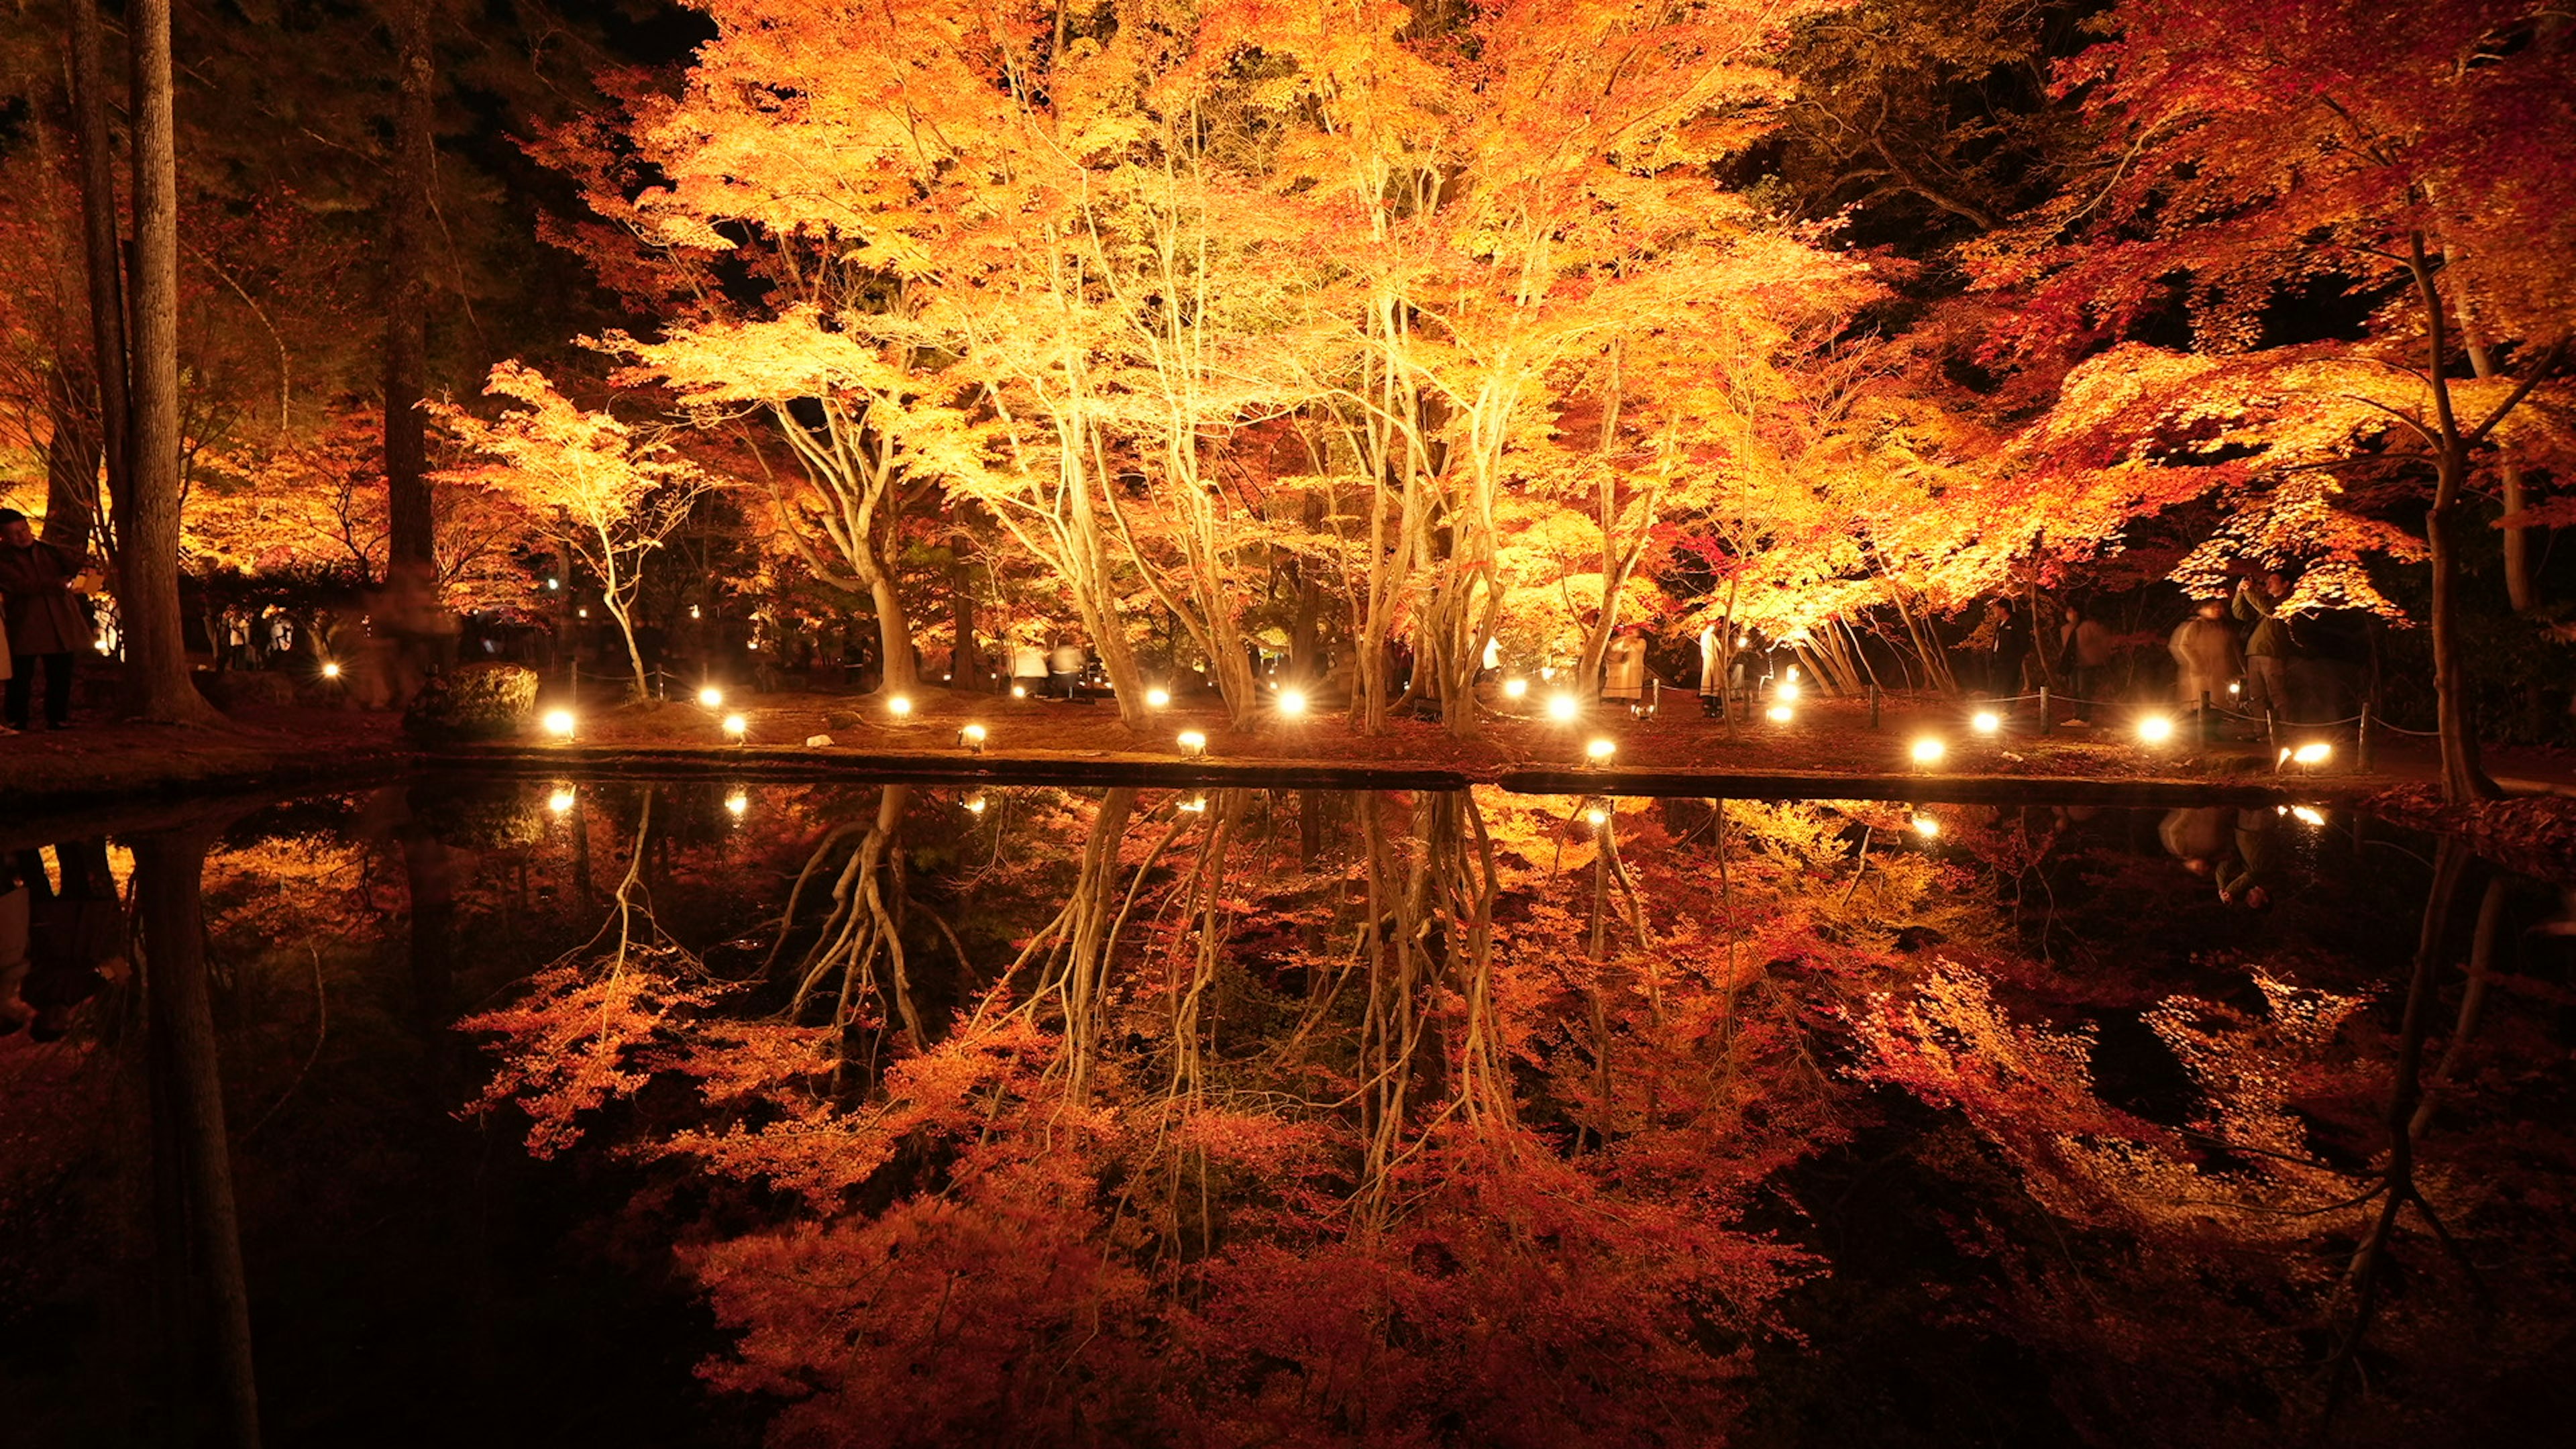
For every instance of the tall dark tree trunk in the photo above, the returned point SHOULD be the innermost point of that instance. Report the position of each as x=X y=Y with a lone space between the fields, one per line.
x=413 y=540
x=965 y=661
x=106 y=264
x=157 y=682
x=215 y=1308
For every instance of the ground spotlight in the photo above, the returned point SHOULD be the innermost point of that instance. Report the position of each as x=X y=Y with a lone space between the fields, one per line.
x=1600 y=751
x=1157 y=698
x=1193 y=744
x=900 y=706
x=2156 y=729
x=1987 y=722
x=1292 y=703
x=1515 y=688
x=1562 y=708
x=711 y=697
x=1928 y=751
x=1780 y=714
x=972 y=737
x=331 y=669
x=559 y=723
x=735 y=727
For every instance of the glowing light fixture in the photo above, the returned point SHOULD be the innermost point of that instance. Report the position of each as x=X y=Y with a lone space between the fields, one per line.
x=711 y=697
x=1600 y=751
x=1786 y=689
x=585 y=613
x=1157 y=698
x=2315 y=752
x=1548 y=673
x=1987 y=722
x=1562 y=708
x=1780 y=714
x=1292 y=703
x=1928 y=751
x=1019 y=691
x=736 y=727
x=900 y=706
x=554 y=583
x=559 y=723
x=1193 y=744
x=2156 y=729
x=972 y=737
x=331 y=669
x=1793 y=674
x=1515 y=688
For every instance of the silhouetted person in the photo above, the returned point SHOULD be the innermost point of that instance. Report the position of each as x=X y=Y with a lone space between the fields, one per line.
x=46 y=630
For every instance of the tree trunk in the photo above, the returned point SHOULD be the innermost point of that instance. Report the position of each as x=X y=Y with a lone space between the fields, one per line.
x=964 y=660
x=167 y=871
x=412 y=543
x=106 y=265
x=157 y=682
x=900 y=669
x=2463 y=779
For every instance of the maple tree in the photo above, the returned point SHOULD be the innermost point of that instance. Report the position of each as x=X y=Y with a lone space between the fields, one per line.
x=614 y=496
x=2425 y=175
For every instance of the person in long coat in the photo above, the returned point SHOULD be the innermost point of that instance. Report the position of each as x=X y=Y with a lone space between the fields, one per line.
x=46 y=629
x=2205 y=656
x=1623 y=670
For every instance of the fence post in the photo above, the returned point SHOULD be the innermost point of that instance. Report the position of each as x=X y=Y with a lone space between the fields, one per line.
x=2361 y=741
x=2204 y=716
x=1873 y=704
x=2046 y=725
x=2271 y=728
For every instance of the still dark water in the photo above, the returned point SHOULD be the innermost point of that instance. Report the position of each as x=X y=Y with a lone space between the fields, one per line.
x=503 y=1112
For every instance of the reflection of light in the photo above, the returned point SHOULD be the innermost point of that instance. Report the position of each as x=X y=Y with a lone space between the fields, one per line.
x=585 y=613
x=1548 y=673
x=1928 y=751
x=2313 y=753
x=1793 y=674
x=899 y=706
x=1195 y=805
x=1926 y=826
x=693 y=612
x=1987 y=722
x=2235 y=687
x=1193 y=743
x=560 y=801
x=1743 y=641
x=972 y=737
x=1515 y=688
x=2155 y=729
x=975 y=803
x=711 y=696
x=559 y=723
x=1597 y=816
x=2305 y=814
x=331 y=670
x=1562 y=708
x=1293 y=703
x=1781 y=714
x=1157 y=698
x=737 y=803
x=1786 y=689
x=1601 y=750
x=735 y=727
x=1019 y=691
x=554 y=583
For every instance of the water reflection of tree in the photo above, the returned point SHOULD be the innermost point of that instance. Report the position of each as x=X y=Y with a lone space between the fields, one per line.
x=1469 y=1119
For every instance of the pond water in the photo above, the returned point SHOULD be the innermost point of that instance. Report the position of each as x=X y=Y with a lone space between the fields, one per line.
x=525 y=1112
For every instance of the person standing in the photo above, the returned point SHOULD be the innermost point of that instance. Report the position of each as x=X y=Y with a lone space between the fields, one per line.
x=45 y=625
x=1064 y=666
x=1623 y=672
x=2268 y=648
x=2084 y=660
x=2204 y=655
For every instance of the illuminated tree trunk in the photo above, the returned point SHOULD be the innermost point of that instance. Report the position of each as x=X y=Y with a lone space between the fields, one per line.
x=167 y=872
x=2463 y=778
x=157 y=683
x=856 y=470
x=106 y=266
x=412 y=544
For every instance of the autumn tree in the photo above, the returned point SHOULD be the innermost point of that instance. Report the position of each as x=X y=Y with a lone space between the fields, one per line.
x=2425 y=175
x=614 y=495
